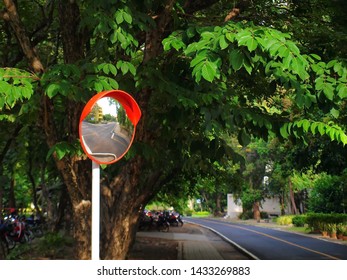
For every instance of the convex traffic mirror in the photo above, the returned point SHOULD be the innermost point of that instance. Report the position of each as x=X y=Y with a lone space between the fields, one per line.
x=107 y=126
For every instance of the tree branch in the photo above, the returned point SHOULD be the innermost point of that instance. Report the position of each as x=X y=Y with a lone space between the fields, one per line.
x=154 y=37
x=13 y=18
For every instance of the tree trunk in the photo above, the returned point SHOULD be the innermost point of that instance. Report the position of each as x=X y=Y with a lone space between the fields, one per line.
x=256 y=211
x=33 y=185
x=292 y=199
x=218 y=209
x=283 y=212
x=75 y=171
x=11 y=195
x=2 y=157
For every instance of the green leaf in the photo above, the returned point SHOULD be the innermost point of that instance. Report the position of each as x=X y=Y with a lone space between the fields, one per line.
x=248 y=66
x=236 y=59
x=284 y=131
x=191 y=32
x=113 y=69
x=252 y=44
x=119 y=16
x=300 y=100
x=335 y=113
x=230 y=36
x=61 y=149
x=223 y=43
x=122 y=39
x=52 y=90
x=113 y=83
x=319 y=83
x=331 y=63
x=328 y=90
x=2 y=102
x=243 y=138
x=98 y=86
x=321 y=129
x=293 y=48
x=113 y=37
x=283 y=51
x=124 y=68
x=27 y=92
x=343 y=138
x=315 y=56
x=243 y=37
x=305 y=125
x=127 y=17
x=208 y=71
x=132 y=69
x=198 y=59
x=167 y=44
x=4 y=87
x=106 y=69
x=342 y=91
x=313 y=128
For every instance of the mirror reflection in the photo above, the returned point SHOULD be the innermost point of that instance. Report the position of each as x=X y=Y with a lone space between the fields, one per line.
x=107 y=131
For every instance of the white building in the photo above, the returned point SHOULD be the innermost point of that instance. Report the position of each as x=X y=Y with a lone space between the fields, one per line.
x=270 y=205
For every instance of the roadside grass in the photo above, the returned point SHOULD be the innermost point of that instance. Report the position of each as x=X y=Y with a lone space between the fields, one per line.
x=305 y=230
x=201 y=214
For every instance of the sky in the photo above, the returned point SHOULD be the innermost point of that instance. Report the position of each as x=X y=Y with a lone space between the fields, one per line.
x=106 y=107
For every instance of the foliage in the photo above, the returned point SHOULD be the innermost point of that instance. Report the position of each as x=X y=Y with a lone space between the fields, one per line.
x=222 y=51
x=249 y=197
x=188 y=212
x=246 y=215
x=264 y=215
x=341 y=229
x=331 y=228
x=319 y=221
x=18 y=252
x=328 y=194
x=285 y=220
x=201 y=213
x=54 y=241
x=299 y=220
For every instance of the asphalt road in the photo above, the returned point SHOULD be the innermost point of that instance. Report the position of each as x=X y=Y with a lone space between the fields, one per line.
x=271 y=244
x=104 y=141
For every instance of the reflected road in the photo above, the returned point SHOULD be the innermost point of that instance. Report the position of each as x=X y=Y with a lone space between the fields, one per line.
x=105 y=141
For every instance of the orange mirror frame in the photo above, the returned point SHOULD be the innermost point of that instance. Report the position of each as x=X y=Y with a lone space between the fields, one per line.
x=112 y=141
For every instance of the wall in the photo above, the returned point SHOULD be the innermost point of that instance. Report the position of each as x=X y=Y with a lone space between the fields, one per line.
x=270 y=205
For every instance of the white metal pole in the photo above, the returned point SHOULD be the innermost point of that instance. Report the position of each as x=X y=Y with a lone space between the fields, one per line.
x=95 y=211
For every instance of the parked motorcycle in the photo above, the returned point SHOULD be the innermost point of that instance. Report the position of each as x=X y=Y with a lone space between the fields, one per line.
x=146 y=221
x=5 y=240
x=174 y=219
x=34 y=226
x=162 y=223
